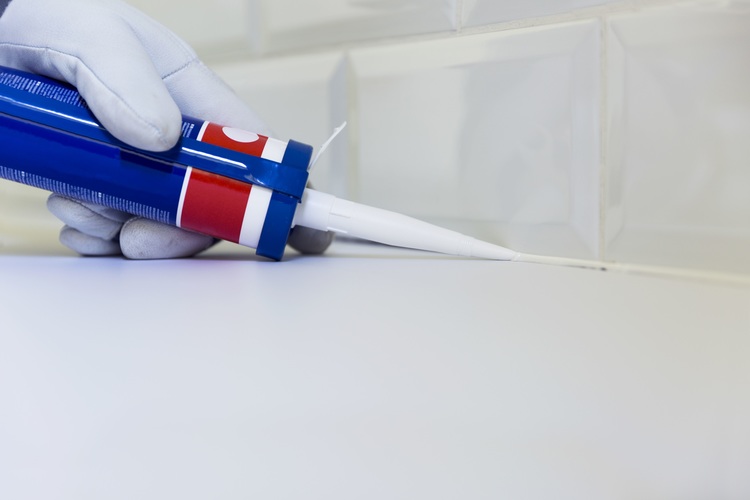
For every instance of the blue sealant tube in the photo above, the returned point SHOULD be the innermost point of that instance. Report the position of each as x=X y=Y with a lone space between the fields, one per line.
x=226 y=183
x=231 y=184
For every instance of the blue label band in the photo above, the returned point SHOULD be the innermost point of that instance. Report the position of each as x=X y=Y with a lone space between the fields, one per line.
x=222 y=161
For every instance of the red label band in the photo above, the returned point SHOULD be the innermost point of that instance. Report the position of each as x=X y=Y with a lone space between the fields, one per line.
x=234 y=138
x=214 y=205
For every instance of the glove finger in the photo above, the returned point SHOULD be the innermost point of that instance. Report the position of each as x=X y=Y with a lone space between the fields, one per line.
x=146 y=118
x=102 y=53
x=104 y=211
x=146 y=239
x=201 y=93
x=87 y=245
x=140 y=111
x=310 y=241
x=108 y=213
x=85 y=218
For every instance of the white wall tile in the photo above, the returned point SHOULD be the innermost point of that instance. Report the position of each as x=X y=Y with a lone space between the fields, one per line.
x=679 y=123
x=290 y=24
x=26 y=227
x=302 y=98
x=481 y=12
x=210 y=27
x=496 y=135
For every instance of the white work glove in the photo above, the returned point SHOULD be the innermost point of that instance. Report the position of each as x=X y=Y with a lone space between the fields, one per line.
x=138 y=78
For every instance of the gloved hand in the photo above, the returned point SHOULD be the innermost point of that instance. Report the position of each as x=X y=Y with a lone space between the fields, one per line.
x=138 y=78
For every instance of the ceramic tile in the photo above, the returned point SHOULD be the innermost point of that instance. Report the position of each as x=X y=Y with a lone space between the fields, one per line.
x=679 y=119
x=26 y=227
x=496 y=135
x=302 y=98
x=288 y=24
x=481 y=12
x=210 y=27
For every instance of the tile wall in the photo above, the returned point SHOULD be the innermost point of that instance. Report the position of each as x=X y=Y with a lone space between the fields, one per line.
x=607 y=130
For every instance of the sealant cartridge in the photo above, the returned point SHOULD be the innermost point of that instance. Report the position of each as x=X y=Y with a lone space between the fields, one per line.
x=224 y=182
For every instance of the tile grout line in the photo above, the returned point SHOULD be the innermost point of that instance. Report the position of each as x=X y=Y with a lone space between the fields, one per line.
x=583 y=14
x=458 y=18
x=703 y=275
x=603 y=133
x=352 y=116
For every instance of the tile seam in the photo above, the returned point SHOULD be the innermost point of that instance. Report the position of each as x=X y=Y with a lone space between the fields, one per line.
x=603 y=133
x=210 y=54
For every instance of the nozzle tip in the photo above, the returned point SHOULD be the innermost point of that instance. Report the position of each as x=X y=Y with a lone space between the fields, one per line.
x=485 y=250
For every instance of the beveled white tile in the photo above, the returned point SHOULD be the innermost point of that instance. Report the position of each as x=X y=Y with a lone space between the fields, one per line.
x=302 y=98
x=288 y=24
x=26 y=227
x=496 y=135
x=210 y=27
x=678 y=149
x=481 y=12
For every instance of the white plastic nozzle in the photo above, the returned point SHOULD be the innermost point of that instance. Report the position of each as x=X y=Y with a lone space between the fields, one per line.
x=327 y=213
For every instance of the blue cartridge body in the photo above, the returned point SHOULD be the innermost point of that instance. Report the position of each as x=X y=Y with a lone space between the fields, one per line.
x=227 y=183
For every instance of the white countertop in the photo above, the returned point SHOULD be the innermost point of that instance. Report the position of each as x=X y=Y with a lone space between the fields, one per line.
x=367 y=373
